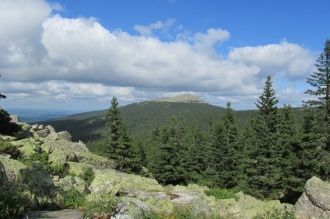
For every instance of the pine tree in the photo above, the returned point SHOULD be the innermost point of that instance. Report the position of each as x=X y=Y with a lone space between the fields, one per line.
x=318 y=135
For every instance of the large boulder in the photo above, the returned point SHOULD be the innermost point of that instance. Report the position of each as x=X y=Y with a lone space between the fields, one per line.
x=315 y=201
x=11 y=167
x=42 y=191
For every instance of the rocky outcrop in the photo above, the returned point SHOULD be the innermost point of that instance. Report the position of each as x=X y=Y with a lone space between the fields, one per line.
x=63 y=214
x=315 y=201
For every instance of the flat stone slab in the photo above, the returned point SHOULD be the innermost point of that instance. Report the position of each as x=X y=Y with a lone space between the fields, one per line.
x=62 y=214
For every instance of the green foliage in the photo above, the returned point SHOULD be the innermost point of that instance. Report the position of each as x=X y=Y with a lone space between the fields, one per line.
x=87 y=174
x=277 y=214
x=118 y=144
x=60 y=170
x=7 y=148
x=179 y=213
x=6 y=126
x=107 y=204
x=222 y=193
x=73 y=199
x=13 y=202
x=316 y=136
x=168 y=149
x=39 y=156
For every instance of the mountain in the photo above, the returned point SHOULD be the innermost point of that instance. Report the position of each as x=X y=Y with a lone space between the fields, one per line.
x=142 y=118
x=182 y=98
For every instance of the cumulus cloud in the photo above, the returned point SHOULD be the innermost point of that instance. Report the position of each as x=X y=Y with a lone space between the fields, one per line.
x=290 y=58
x=147 y=30
x=80 y=58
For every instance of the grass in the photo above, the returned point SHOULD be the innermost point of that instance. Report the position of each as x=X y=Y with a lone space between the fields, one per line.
x=222 y=193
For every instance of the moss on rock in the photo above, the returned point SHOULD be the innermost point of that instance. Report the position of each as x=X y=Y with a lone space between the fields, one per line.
x=12 y=167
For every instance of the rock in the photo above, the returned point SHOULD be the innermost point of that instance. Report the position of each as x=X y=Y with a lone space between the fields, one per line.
x=76 y=169
x=14 y=118
x=69 y=182
x=42 y=191
x=62 y=214
x=7 y=138
x=43 y=133
x=12 y=168
x=113 y=181
x=315 y=200
x=3 y=175
x=143 y=195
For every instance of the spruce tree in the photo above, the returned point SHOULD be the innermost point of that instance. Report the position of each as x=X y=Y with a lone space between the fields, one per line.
x=288 y=145
x=119 y=145
x=228 y=166
x=114 y=129
x=265 y=155
x=167 y=164
x=317 y=138
x=195 y=155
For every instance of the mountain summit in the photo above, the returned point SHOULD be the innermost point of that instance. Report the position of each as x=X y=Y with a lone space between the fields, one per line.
x=182 y=98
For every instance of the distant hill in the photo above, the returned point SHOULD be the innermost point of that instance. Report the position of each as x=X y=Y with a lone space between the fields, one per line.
x=142 y=118
x=34 y=115
x=182 y=98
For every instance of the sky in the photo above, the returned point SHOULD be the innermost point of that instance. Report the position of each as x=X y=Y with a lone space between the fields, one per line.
x=76 y=55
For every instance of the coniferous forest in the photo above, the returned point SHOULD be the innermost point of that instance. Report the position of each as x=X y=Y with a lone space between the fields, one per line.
x=271 y=158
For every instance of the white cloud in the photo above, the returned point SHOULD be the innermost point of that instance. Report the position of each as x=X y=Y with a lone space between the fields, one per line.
x=148 y=30
x=286 y=57
x=79 y=58
x=205 y=42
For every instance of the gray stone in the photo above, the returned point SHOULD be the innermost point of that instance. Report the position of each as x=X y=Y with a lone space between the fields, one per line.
x=62 y=214
x=315 y=201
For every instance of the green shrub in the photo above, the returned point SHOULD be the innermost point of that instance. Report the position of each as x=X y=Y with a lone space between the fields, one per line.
x=73 y=199
x=222 y=193
x=13 y=201
x=6 y=126
x=178 y=213
x=7 y=148
x=41 y=157
x=59 y=169
x=107 y=204
x=277 y=214
x=87 y=174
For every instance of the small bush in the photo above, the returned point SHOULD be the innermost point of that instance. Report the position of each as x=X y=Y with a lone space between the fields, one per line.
x=13 y=202
x=60 y=170
x=222 y=193
x=107 y=205
x=87 y=174
x=41 y=157
x=277 y=214
x=179 y=213
x=73 y=199
x=7 y=148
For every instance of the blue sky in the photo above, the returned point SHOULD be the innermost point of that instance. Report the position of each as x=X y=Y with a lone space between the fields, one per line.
x=253 y=22
x=75 y=55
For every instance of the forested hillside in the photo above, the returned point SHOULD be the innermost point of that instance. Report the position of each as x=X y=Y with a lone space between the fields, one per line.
x=142 y=118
